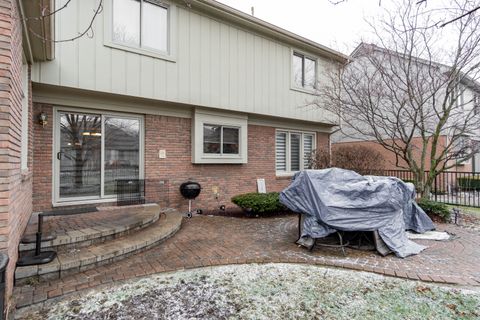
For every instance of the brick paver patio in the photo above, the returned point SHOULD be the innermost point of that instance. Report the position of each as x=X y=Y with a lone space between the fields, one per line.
x=206 y=241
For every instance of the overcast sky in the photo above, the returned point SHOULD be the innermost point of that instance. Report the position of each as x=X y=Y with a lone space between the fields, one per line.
x=339 y=27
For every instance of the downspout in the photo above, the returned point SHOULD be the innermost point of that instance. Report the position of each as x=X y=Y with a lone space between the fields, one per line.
x=25 y=32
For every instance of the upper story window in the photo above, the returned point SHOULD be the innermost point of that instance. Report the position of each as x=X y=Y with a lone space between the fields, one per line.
x=141 y=23
x=304 y=71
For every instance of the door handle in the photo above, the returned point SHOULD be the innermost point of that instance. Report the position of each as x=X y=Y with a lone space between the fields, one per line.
x=59 y=155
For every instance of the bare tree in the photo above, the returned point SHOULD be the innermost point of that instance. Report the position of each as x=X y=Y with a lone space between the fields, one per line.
x=409 y=92
x=460 y=14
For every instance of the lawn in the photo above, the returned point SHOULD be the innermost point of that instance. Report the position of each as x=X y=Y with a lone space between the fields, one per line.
x=270 y=291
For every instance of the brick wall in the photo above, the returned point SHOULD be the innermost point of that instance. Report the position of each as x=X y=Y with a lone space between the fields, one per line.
x=42 y=159
x=164 y=176
x=15 y=186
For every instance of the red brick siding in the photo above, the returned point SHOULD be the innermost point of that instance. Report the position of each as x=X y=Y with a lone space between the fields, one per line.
x=15 y=186
x=164 y=176
x=42 y=159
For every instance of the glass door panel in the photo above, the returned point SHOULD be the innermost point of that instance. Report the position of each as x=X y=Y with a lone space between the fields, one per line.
x=80 y=155
x=122 y=151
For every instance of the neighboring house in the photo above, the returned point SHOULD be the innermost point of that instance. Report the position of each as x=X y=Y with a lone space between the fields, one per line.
x=468 y=99
x=166 y=91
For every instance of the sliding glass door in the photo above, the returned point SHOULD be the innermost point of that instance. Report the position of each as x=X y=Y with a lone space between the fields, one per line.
x=93 y=151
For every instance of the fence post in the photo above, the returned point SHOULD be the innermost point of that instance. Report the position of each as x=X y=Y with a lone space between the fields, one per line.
x=435 y=188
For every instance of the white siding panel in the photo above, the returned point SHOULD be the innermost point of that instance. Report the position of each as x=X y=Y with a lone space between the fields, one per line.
x=224 y=72
x=250 y=71
x=160 y=79
x=205 y=70
x=147 y=76
x=118 y=66
x=68 y=62
x=215 y=64
x=86 y=49
x=172 y=82
x=133 y=72
x=184 y=57
x=194 y=58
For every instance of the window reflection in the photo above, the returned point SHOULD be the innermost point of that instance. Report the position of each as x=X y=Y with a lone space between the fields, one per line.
x=126 y=22
x=80 y=155
x=122 y=151
x=230 y=140
x=220 y=139
x=211 y=139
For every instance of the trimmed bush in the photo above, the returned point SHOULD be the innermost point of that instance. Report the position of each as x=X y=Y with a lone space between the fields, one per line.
x=259 y=203
x=435 y=208
x=468 y=183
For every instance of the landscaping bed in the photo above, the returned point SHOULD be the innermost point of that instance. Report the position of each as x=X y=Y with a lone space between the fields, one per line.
x=270 y=291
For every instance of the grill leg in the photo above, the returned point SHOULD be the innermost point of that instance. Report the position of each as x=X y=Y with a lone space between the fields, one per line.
x=189 y=213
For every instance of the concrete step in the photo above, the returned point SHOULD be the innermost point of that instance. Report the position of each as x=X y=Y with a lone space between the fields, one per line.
x=114 y=222
x=89 y=257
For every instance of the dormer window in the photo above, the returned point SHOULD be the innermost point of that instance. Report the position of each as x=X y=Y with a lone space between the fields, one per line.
x=304 y=71
x=141 y=24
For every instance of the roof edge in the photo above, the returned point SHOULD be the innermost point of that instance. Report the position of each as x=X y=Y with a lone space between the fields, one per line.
x=246 y=19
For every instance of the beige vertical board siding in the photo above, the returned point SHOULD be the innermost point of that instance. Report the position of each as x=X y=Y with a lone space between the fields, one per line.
x=86 y=47
x=224 y=65
x=205 y=70
x=103 y=59
x=233 y=69
x=250 y=71
x=216 y=64
x=160 y=78
x=68 y=61
x=257 y=71
x=133 y=74
x=242 y=69
x=172 y=82
x=118 y=65
x=194 y=58
x=147 y=76
x=183 y=62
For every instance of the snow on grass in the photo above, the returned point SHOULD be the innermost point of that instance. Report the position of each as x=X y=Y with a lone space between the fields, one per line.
x=270 y=291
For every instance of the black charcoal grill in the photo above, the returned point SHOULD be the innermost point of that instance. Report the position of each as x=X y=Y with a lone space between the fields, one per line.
x=190 y=190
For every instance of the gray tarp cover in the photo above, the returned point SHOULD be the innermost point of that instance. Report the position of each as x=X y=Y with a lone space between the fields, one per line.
x=337 y=199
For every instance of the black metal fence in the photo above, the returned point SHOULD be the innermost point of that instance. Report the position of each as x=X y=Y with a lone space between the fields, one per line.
x=130 y=191
x=450 y=187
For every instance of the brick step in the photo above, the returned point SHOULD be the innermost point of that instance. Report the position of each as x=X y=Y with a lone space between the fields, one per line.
x=99 y=254
x=113 y=226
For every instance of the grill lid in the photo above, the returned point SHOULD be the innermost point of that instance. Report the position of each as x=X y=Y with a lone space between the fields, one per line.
x=190 y=189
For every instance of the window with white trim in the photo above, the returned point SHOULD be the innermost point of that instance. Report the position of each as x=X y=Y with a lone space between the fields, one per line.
x=141 y=24
x=219 y=138
x=304 y=71
x=293 y=150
